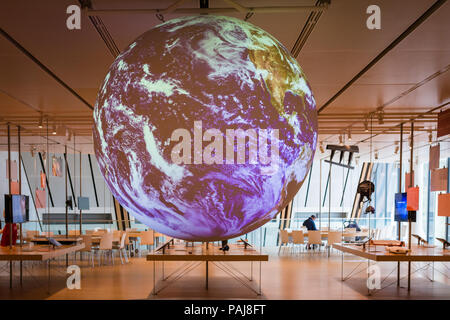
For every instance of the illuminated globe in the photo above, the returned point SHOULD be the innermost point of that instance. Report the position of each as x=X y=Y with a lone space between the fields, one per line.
x=205 y=128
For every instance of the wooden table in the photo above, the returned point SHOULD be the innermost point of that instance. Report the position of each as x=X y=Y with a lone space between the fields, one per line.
x=198 y=253
x=70 y=240
x=379 y=254
x=38 y=253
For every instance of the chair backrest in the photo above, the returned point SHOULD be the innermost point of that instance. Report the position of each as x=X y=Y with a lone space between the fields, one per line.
x=297 y=237
x=147 y=238
x=116 y=235
x=31 y=234
x=314 y=237
x=284 y=236
x=122 y=239
x=87 y=240
x=47 y=234
x=334 y=237
x=106 y=241
x=74 y=232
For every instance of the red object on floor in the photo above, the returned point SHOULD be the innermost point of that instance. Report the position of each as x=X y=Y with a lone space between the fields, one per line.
x=5 y=234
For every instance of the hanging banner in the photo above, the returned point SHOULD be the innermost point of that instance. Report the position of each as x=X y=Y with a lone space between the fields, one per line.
x=42 y=180
x=438 y=179
x=41 y=198
x=15 y=187
x=13 y=170
x=412 y=199
x=444 y=205
x=443 y=126
x=407 y=181
x=435 y=154
x=56 y=166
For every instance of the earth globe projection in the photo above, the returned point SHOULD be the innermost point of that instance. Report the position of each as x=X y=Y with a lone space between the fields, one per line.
x=205 y=128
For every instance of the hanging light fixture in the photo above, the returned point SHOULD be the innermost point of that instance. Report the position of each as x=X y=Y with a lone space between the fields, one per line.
x=349 y=135
x=430 y=137
x=69 y=132
x=366 y=125
x=340 y=139
x=397 y=148
x=41 y=122
x=54 y=129
x=376 y=154
x=321 y=147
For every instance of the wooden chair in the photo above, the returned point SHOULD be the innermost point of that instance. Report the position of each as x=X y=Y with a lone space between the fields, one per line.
x=74 y=232
x=334 y=237
x=47 y=234
x=105 y=246
x=314 y=238
x=298 y=239
x=147 y=239
x=87 y=240
x=121 y=247
x=30 y=234
x=284 y=239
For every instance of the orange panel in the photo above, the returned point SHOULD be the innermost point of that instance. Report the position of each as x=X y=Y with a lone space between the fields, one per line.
x=439 y=179
x=444 y=205
x=412 y=199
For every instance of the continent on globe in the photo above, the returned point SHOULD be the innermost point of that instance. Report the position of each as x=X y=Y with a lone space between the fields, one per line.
x=205 y=128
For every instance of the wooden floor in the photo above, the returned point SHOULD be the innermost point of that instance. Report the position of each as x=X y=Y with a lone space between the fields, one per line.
x=289 y=276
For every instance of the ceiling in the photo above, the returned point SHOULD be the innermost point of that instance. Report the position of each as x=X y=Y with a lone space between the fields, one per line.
x=47 y=69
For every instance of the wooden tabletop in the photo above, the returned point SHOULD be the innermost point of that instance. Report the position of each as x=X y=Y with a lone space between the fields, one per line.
x=324 y=234
x=379 y=253
x=59 y=238
x=179 y=252
x=38 y=253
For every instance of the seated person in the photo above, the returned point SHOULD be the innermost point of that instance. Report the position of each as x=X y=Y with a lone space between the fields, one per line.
x=309 y=223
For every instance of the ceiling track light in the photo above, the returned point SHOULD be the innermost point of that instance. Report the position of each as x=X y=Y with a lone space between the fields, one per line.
x=54 y=129
x=349 y=135
x=321 y=147
x=430 y=137
x=69 y=134
x=366 y=126
x=381 y=116
x=376 y=154
x=396 y=149
x=340 y=139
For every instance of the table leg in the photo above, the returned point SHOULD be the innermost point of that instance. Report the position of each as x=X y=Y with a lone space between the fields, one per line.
x=260 y=292
x=409 y=275
x=342 y=265
x=154 y=281
x=21 y=271
x=206 y=275
x=398 y=274
x=48 y=275
x=251 y=270
x=10 y=273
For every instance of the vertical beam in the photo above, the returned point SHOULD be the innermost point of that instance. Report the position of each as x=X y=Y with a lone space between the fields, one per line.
x=309 y=182
x=93 y=180
x=411 y=167
x=31 y=193
x=81 y=213
x=345 y=186
x=46 y=178
x=399 y=223
x=447 y=229
x=326 y=188
x=70 y=179
x=65 y=188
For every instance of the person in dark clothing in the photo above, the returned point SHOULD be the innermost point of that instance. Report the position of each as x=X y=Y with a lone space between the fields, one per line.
x=309 y=223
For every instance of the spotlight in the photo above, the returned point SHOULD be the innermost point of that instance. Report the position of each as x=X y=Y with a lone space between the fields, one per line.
x=357 y=160
x=340 y=140
x=396 y=149
x=70 y=135
x=381 y=117
x=41 y=121
x=430 y=137
x=349 y=135
x=321 y=147
x=376 y=154
x=54 y=130
x=366 y=126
